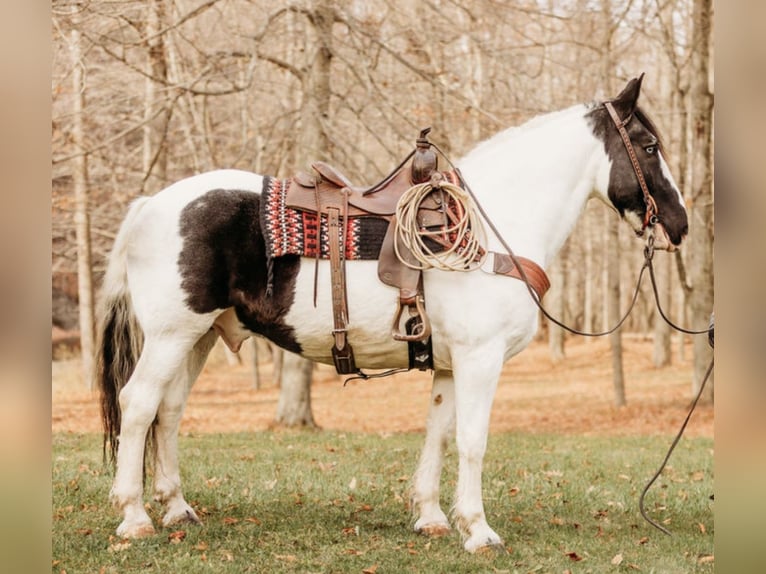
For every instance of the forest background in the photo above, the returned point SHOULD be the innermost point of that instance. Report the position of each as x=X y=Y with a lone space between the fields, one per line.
x=147 y=92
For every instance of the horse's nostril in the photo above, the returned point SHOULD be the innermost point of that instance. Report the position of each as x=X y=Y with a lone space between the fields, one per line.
x=685 y=230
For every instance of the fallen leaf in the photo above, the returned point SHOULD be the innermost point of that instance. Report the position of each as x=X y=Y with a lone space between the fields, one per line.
x=705 y=559
x=353 y=552
x=352 y=484
x=230 y=520
x=643 y=540
x=617 y=560
x=557 y=521
x=574 y=556
x=365 y=508
x=702 y=528
x=84 y=531
x=201 y=545
x=252 y=519
x=286 y=557
x=371 y=570
x=177 y=536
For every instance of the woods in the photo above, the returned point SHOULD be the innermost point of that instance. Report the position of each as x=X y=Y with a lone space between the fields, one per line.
x=145 y=93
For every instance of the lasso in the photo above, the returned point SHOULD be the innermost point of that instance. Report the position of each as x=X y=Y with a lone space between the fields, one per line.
x=465 y=253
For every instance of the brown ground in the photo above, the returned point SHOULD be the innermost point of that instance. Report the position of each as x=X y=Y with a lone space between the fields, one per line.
x=574 y=396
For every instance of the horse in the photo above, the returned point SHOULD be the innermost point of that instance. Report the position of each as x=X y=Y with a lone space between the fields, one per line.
x=189 y=265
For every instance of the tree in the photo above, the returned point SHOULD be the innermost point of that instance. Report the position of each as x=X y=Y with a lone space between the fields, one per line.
x=312 y=142
x=701 y=212
x=82 y=214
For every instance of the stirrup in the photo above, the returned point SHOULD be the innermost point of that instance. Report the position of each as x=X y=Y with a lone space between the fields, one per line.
x=422 y=330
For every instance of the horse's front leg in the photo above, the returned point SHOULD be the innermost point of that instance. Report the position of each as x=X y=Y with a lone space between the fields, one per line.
x=476 y=372
x=439 y=427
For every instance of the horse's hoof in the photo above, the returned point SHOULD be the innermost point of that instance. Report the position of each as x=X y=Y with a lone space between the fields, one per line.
x=141 y=530
x=183 y=515
x=434 y=530
x=485 y=544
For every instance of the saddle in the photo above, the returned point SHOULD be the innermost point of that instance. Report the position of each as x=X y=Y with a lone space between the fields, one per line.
x=329 y=194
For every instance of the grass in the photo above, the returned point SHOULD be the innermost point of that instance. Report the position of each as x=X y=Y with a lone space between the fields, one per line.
x=338 y=502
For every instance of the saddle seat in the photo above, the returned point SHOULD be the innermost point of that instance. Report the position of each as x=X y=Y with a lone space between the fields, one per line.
x=331 y=189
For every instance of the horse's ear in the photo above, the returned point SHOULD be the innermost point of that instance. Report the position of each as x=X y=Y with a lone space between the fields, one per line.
x=625 y=104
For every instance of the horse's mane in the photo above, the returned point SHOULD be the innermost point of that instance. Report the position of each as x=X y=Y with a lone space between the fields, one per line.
x=515 y=131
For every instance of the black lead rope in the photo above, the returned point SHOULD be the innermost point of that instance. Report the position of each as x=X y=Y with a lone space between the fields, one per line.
x=670 y=451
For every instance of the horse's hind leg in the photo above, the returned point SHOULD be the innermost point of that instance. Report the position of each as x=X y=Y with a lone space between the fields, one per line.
x=160 y=364
x=167 y=477
x=439 y=427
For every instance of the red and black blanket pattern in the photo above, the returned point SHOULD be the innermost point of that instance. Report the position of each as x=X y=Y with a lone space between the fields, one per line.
x=289 y=231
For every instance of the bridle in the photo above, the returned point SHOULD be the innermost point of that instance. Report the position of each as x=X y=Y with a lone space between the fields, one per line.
x=651 y=218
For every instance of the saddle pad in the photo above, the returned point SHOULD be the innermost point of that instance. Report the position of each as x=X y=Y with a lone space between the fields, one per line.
x=289 y=231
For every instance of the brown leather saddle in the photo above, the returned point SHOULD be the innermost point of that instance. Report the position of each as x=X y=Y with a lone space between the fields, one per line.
x=329 y=193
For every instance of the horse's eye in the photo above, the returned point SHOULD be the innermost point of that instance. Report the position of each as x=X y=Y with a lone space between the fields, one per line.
x=650 y=149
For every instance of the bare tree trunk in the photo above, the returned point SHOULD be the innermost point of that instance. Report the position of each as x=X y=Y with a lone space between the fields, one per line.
x=613 y=307
x=612 y=287
x=154 y=159
x=294 y=405
x=81 y=216
x=662 y=355
x=294 y=408
x=588 y=279
x=701 y=214
x=556 y=302
x=662 y=350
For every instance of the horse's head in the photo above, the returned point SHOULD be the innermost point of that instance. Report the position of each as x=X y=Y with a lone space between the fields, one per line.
x=635 y=152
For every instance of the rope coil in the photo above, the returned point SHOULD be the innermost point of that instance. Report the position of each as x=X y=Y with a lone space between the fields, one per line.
x=463 y=250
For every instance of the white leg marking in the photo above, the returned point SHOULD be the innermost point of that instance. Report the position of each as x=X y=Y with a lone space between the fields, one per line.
x=439 y=427
x=140 y=399
x=476 y=374
x=167 y=477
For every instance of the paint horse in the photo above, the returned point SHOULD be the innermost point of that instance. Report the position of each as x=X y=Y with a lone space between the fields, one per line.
x=189 y=265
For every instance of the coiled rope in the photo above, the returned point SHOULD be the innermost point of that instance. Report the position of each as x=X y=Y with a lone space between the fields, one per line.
x=462 y=237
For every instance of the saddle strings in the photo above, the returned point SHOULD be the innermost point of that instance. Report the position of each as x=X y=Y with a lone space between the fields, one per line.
x=463 y=236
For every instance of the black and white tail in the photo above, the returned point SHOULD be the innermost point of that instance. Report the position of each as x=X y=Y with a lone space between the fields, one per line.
x=119 y=336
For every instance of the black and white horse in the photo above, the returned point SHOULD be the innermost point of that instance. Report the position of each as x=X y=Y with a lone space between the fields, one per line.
x=189 y=265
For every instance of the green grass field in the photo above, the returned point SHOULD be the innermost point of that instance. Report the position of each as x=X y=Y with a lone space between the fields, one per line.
x=338 y=502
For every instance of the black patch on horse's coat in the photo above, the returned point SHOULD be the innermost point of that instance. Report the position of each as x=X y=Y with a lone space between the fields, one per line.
x=223 y=264
x=624 y=190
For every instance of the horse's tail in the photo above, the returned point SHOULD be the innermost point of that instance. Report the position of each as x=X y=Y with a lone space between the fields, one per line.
x=119 y=336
